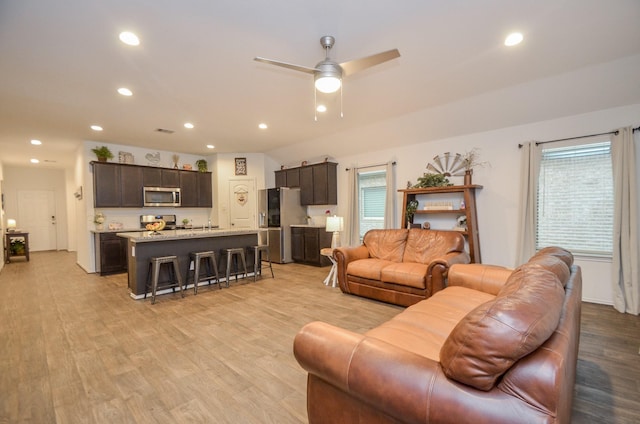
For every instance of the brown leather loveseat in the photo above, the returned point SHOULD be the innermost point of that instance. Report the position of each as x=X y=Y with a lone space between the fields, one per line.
x=495 y=346
x=399 y=266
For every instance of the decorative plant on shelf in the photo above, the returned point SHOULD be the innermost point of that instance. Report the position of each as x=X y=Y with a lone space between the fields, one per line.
x=202 y=165
x=102 y=153
x=412 y=206
x=432 y=180
x=470 y=160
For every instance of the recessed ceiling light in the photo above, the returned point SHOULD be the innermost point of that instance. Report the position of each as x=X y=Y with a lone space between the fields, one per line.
x=210 y=146
x=125 y=91
x=513 y=39
x=129 y=38
x=36 y=142
x=35 y=161
x=96 y=127
x=321 y=108
x=188 y=125
x=262 y=126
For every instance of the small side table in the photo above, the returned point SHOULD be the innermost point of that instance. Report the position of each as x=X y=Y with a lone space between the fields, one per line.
x=7 y=244
x=333 y=273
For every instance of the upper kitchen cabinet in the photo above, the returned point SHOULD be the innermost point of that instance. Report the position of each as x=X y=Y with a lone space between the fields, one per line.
x=121 y=185
x=117 y=186
x=131 y=187
x=161 y=177
x=318 y=184
x=106 y=185
x=288 y=178
x=195 y=188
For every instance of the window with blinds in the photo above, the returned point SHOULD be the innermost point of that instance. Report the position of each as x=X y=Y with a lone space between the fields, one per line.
x=575 y=199
x=372 y=188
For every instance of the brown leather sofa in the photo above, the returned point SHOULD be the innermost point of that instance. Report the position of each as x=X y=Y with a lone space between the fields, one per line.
x=399 y=266
x=495 y=346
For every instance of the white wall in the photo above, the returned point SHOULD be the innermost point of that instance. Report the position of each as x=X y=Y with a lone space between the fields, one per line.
x=498 y=200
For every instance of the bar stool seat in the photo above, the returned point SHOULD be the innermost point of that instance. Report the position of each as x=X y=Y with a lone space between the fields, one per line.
x=258 y=259
x=232 y=255
x=153 y=275
x=211 y=271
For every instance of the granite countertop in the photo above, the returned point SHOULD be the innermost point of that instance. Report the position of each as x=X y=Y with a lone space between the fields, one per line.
x=149 y=236
x=121 y=230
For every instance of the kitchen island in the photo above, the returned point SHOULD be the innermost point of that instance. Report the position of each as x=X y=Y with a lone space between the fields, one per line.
x=143 y=245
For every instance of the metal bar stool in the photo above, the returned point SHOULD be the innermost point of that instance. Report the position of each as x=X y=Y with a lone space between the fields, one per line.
x=211 y=271
x=258 y=259
x=155 y=263
x=232 y=258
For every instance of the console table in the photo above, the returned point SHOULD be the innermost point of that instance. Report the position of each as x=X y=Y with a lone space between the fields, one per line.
x=7 y=245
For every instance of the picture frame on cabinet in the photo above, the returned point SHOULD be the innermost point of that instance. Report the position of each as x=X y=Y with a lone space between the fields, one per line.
x=241 y=166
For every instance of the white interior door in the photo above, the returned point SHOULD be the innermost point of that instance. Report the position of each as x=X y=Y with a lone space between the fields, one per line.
x=37 y=216
x=243 y=203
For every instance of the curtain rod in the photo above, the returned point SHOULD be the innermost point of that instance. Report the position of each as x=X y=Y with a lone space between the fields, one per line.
x=572 y=138
x=371 y=166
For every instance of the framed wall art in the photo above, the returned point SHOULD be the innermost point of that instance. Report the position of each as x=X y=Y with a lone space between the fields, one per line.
x=241 y=166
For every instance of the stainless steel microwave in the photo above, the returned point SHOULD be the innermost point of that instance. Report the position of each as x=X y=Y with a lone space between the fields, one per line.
x=161 y=196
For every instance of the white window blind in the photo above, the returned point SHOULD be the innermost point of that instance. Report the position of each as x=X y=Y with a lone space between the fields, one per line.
x=372 y=188
x=575 y=199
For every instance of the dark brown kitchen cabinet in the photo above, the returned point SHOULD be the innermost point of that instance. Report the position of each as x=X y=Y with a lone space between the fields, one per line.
x=121 y=185
x=306 y=243
x=131 y=187
x=117 y=186
x=205 y=192
x=107 y=188
x=195 y=189
x=288 y=177
x=318 y=184
x=111 y=253
x=161 y=177
x=189 y=189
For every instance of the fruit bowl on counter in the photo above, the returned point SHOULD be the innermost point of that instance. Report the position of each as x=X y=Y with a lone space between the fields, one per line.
x=155 y=227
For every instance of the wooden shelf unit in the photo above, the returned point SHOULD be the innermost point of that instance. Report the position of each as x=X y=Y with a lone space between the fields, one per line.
x=468 y=193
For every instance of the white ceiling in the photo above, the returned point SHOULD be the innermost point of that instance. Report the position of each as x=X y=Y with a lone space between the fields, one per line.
x=61 y=63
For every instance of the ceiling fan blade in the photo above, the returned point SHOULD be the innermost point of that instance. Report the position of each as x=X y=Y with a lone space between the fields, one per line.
x=287 y=65
x=353 y=66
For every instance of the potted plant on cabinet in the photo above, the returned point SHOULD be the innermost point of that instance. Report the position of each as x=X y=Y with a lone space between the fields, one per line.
x=102 y=153
x=202 y=165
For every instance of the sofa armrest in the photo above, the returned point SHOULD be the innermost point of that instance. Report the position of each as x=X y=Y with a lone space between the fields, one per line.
x=485 y=278
x=438 y=269
x=344 y=255
x=367 y=368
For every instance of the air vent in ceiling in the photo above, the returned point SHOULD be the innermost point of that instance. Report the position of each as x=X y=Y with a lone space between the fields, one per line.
x=164 y=131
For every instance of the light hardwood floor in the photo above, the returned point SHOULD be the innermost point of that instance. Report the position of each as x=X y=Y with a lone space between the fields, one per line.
x=76 y=349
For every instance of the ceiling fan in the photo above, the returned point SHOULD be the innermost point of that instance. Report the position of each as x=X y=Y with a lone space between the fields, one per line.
x=328 y=73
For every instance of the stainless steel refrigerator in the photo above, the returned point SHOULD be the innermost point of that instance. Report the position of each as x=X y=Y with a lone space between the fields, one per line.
x=278 y=209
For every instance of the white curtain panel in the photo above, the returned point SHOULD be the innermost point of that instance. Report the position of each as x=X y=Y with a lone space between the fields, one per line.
x=353 y=222
x=390 y=205
x=624 y=267
x=529 y=170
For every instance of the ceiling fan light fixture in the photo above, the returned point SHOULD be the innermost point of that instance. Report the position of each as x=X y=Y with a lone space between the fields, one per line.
x=328 y=84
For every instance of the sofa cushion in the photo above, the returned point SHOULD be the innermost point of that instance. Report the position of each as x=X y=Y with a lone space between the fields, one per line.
x=423 y=328
x=492 y=337
x=424 y=246
x=386 y=244
x=405 y=274
x=368 y=268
